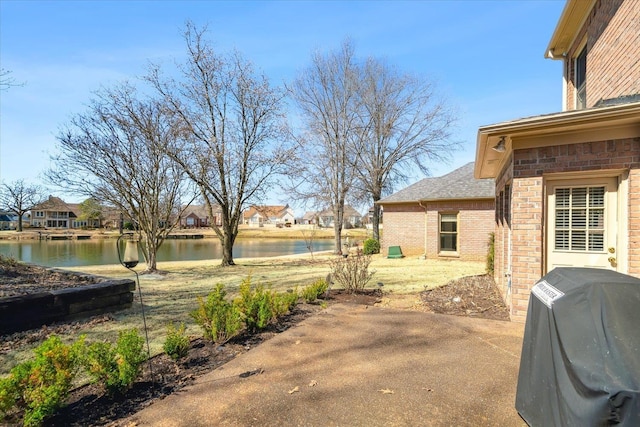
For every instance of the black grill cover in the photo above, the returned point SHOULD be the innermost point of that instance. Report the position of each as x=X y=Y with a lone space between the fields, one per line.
x=580 y=363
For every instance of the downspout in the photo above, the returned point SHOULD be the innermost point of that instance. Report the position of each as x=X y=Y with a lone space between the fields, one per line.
x=424 y=256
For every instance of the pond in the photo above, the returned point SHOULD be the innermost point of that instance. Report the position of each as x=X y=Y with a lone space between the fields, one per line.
x=72 y=253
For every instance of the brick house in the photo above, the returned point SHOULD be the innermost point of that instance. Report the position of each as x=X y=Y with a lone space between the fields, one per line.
x=197 y=216
x=444 y=217
x=567 y=184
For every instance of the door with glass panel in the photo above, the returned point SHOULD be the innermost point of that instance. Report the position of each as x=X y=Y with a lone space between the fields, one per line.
x=582 y=223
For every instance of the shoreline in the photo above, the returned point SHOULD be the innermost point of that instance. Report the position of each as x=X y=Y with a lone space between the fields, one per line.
x=301 y=232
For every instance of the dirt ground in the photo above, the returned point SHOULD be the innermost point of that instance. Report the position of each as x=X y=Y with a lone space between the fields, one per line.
x=473 y=296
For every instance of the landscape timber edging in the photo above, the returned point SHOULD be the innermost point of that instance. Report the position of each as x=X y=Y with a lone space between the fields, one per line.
x=23 y=312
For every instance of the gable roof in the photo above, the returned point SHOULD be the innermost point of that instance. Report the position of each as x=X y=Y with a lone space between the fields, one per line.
x=200 y=211
x=348 y=212
x=459 y=184
x=53 y=204
x=267 y=212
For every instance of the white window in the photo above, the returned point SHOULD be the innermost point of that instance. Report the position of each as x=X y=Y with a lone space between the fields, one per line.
x=579 y=219
x=449 y=232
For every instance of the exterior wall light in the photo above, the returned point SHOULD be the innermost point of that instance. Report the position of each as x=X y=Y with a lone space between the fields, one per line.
x=501 y=146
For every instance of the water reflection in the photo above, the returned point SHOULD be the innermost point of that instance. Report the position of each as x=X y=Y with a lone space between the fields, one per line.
x=69 y=253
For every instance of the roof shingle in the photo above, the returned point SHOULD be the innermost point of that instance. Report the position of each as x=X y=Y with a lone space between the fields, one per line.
x=458 y=184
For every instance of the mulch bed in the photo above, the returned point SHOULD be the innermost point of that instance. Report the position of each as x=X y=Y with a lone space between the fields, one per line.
x=473 y=296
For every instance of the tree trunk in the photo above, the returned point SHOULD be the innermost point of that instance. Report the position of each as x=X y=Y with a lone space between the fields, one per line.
x=151 y=255
x=375 y=221
x=338 y=215
x=19 y=222
x=227 y=249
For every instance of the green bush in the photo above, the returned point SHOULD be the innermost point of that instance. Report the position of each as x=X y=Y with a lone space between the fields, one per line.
x=257 y=305
x=40 y=386
x=284 y=302
x=371 y=246
x=260 y=306
x=176 y=345
x=116 y=367
x=219 y=319
x=491 y=253
x=313 y=291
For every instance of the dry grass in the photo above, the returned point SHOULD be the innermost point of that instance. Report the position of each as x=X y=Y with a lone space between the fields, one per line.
x=170 y=297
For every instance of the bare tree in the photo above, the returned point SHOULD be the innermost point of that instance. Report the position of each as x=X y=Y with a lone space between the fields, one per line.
x=234 y=131
x=19 y=197
x=115 y=154
x=403 y=124
x=326 y=94
x=6 y=81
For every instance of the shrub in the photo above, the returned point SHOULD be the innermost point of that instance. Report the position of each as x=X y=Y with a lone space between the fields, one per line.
x=313 y=291
x=219 y=319
x=260 y=306
x=176 y=345
x=284 y=302
x=40 y=386
x=257 y=305
x=371 y=246
x=352 y=273
x=116 y=367
x=491 y=253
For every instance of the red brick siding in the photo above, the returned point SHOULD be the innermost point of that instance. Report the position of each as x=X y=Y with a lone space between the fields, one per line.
x=501 y=270
x=529 y=166
x=526 y=244
x=613 y=36
x=404 y=226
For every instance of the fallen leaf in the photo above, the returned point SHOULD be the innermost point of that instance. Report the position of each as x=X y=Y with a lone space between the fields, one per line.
x=294 y=390
x=313 y=383
x=386 y=391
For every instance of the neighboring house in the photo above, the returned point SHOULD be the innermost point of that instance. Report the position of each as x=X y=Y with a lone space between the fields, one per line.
x=52 y=213
x=444 y=217
x=258 y=216
x=310 y=218
x=568 y=183
x=351 y=218
x=7 y=221
x=197 y=216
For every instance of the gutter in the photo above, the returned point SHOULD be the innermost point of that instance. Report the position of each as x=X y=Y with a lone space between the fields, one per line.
x=424 y=256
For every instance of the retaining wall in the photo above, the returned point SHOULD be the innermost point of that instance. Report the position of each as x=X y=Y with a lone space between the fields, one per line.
x=23 y=312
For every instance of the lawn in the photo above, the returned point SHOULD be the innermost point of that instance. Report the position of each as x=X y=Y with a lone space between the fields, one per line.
x=170 y=297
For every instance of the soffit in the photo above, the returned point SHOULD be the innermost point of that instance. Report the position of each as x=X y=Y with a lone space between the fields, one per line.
x=554 y=129
x=573 y=16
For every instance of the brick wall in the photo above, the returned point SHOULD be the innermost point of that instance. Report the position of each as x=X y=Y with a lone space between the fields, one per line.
x=526 y=172
x=502 y=270
x=612 y=31
x=404 y=226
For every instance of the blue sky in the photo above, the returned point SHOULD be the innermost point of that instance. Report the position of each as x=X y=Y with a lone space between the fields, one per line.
x=485 y=57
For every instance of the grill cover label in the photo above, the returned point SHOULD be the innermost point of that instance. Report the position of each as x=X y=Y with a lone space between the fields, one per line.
x=546 y=293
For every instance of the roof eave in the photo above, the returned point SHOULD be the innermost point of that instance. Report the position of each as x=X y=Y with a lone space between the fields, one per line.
x=573 y=16
x=490 y=162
